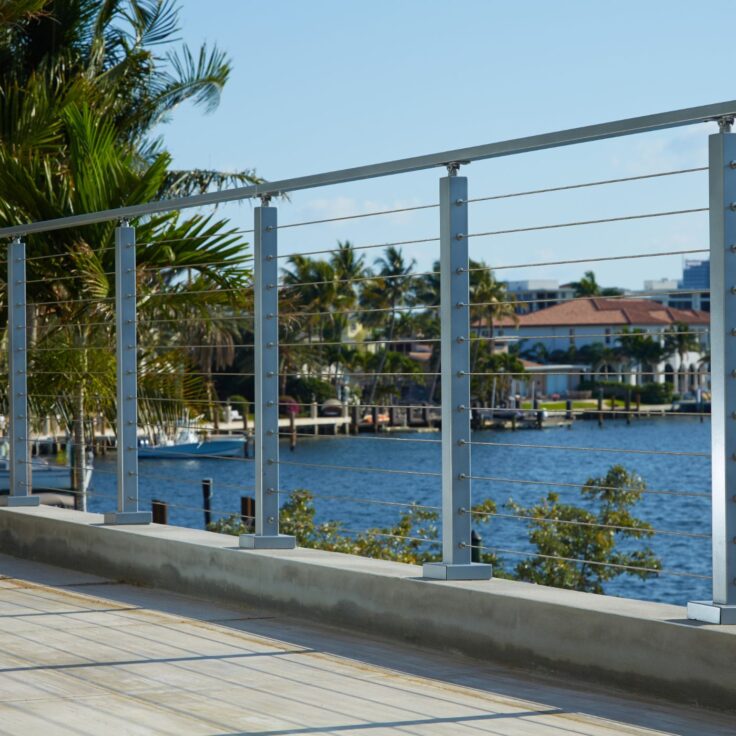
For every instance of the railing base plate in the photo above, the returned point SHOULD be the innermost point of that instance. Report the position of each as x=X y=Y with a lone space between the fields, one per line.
x=265 y=541
x=23 y=500
x=711 y=613
x=442 y=571
x=128 y=517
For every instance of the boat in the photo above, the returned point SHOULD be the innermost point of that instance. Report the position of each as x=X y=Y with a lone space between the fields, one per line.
x=188 y=444
x=46 y=476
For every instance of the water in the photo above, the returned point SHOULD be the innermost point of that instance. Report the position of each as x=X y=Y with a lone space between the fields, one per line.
x=179 y=482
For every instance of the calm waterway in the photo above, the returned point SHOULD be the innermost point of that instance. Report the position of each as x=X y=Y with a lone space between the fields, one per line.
x=179 y=482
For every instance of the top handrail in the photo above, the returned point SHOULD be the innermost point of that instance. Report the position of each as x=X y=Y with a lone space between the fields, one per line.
x=588 y=133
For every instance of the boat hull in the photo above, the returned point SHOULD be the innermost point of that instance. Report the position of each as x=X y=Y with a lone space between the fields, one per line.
x=42 y=477
x=195 y=450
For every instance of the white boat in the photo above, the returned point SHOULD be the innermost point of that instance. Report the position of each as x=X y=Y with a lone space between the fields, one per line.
x=45 y=474
x=187 y=444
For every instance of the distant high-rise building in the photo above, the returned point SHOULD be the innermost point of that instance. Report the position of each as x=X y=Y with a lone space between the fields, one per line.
x=695 y=275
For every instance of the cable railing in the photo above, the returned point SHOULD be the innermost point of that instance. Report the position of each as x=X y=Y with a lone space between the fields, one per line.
x=386 y=352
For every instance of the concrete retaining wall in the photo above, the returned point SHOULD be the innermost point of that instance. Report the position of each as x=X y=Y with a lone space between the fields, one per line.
x=634 y=645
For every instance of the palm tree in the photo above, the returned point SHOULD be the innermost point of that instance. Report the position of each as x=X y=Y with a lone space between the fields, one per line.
x=641 y=350
x=390 y=290
x=427 y=295
x=680 y=340
x=73 y=290
x=493 y=303
x=587 y=286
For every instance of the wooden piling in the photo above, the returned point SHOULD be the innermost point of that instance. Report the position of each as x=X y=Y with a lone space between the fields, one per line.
x=160 y=512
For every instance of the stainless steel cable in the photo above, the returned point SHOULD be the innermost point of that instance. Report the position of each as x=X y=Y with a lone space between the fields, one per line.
x=358 y=469
x=96 y=300
x=660 y=332
x=345 y=343
x=577 y=223
x=196 y=455
x=372 y=246
x=570 y=448
x=177 y=479
x=356 y=499
x=373 y=438
x=572 y=522
x=65 y=254
x=361 y=279
x=66 y=278
x=573 y=373
x=634 y=568
x=591 y=260
x=199 y=264
x=360 y=310
x=377 y=533
x=586 y=184
x=582 y=486
x=359 y=216
x=555 y=301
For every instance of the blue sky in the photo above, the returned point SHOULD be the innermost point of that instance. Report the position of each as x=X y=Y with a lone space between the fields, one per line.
x=322 y=85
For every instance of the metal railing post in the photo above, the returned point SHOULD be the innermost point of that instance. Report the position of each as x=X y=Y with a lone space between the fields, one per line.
x=127 y=381
x=722 y=165
x=19 y=456
x=266 y=384
x=455 y=357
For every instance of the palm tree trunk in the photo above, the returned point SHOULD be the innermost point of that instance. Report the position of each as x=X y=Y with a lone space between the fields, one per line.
x=79 y=450
x=382 y=362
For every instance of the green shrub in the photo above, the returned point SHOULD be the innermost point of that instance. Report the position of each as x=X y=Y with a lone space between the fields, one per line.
x=650 y=393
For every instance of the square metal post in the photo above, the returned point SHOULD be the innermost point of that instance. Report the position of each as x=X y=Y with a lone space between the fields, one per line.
x=455 y=356
x=722 y=164
x=127 y=381
x=20 y=456
x=266 y=384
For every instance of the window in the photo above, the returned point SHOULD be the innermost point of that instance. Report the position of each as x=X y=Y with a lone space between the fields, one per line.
x=608 y=335
x=572 y=337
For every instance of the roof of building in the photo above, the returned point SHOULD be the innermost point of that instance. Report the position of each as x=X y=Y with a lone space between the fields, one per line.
x=602 y=311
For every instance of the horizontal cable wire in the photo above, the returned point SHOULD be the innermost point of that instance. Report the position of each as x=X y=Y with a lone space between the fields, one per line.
x=598 y=183
x=65 y=254
x=589 y=260
x=187 y=266
x=358 y=469
x=360 y=310
x=359 y=216
x=376 y=533
x=356 y=499
x=573 y=373
x=386 y=341
x=661 y=332
x=644 y=411
x=613 y=297
x=66 y=278
x=592 y=562
x=360 y=279
x=97 y=300
x=373 y=439
x=582 y=486
x=612 y=527
x=590 y=449
x=577 y=223
x=417 y=374
x=372 y=246
x=213 y=236
x=177 y=479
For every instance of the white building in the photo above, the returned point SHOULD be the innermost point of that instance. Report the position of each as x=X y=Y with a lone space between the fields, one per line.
x=600 y=321
x=532 y=295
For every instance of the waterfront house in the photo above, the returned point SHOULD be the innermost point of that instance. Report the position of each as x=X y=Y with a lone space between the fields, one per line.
x=600 y=323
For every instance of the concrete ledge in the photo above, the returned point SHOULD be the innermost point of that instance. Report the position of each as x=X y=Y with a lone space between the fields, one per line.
x=638 y=646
